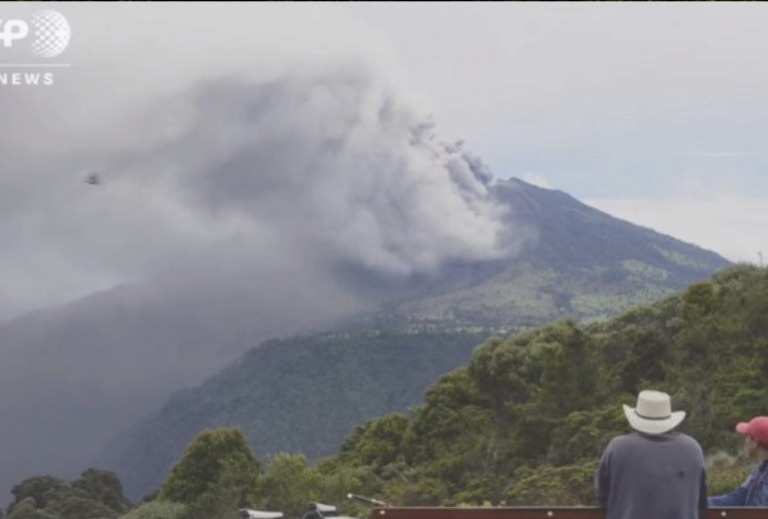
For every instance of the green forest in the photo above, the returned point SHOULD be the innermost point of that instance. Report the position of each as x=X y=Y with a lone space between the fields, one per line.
x=523 y=423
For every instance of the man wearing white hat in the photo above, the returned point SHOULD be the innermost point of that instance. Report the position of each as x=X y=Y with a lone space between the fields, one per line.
x=653 y=472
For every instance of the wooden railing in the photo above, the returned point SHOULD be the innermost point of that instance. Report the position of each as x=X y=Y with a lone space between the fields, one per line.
x=539 y=512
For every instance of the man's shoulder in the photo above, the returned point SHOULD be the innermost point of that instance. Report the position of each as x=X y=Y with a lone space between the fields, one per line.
x=685 y=439
x=621 y=441
x=631 y=439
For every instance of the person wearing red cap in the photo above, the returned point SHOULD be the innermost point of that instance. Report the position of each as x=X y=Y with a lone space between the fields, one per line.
x=754 y=491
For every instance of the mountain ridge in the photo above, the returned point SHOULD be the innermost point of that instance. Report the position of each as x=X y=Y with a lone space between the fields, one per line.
x=539 y=286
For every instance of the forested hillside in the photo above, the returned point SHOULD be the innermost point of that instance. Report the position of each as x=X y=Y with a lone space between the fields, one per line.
x=301 y=394
x=305 y=393
x=523 y=423
x=563 y=259
x=526 y=420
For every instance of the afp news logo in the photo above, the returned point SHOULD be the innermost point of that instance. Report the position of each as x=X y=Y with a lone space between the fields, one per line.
x=49 y=32
x=29 y=45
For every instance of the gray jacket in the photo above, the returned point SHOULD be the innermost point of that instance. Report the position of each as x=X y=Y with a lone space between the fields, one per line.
x=652 y=476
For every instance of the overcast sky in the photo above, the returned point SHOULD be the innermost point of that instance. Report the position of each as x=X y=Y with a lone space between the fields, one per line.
x=655 y=113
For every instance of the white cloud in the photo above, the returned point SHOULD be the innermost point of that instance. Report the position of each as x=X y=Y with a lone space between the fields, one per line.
x=287 y=124
x=725 y=154
x=675 y=104
x=537 y=179
x=732 y=226
x=595 y=93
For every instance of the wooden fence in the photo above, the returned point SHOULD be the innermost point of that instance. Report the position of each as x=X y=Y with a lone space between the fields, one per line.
x=585 y=512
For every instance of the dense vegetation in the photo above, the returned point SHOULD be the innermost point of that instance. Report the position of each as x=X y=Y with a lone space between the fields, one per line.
x=523 y=423
x=96 y=494
x=304 y=394
x=301 y=394
x=527 y=419
x=130 y=348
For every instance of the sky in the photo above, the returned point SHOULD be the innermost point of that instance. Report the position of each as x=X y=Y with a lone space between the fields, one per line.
x=654 y=113
x=351 y=114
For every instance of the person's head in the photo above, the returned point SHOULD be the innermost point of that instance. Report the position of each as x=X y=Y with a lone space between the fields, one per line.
x=653 y=413
x=755 y=432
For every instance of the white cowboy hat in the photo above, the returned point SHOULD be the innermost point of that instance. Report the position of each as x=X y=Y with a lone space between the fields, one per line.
x=653 y=414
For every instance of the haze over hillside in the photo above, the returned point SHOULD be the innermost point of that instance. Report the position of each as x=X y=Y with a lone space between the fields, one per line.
x=253 y=203
x=226 y=209
x=90 y=369
x=578 y=262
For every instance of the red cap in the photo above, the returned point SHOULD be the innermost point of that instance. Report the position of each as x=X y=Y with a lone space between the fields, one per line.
x=757 y=428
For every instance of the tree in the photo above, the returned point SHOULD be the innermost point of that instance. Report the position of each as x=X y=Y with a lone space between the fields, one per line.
x=157 y=510
x=288 y=485
x=104 y=487
x=377 y=444
x=26 y=509
x=41 y=490
x=553 y=486
x=76 y=507
x=98 y=494
x=217 y=475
